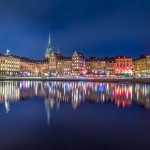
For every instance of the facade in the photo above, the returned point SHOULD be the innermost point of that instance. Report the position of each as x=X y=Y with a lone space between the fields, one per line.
x=89 y=66
x=52 y=58
x=123 y=65
x=27 y=66
x=9 y=65
x=95 y=65
x=78 y=64
x=64 y=65
x=99 y=66
x=133 y=67
x=142 y=66
x=57 y=64
x=109 y=66
x=148 y=65
x=42 y=67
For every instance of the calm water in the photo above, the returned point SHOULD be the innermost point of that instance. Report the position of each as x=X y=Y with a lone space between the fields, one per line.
x=74 y=115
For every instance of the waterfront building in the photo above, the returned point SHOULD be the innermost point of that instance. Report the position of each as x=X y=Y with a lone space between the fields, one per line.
x=148 y=65
x=95 y=65
x=42 y=67
x=133 y=66
x=55 y=63
x=64 y=65
x=53 y=58
x=142 y=66
x=78 y=64
x=123 y=65
x=27 y=66
x=99 y=66
x=89 y=66
x=109 y=66
x=9 y=65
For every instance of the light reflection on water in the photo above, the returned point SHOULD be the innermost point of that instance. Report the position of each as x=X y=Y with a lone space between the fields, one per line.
x=76 y=93
x=89 y=126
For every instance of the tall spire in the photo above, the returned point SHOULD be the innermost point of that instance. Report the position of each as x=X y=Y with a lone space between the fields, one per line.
x=49 y=48
x=49 y=40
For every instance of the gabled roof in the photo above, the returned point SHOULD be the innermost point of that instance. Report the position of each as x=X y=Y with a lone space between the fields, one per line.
x=91 y=59
x=109 y=59
x=80 y=54
x=121 y=57
x=42 y=61
x=1 y=55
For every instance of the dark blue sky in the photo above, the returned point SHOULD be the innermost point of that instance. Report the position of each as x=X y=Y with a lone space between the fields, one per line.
x=95 y=27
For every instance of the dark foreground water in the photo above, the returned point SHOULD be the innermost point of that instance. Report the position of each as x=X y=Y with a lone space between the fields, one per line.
x=74 y=115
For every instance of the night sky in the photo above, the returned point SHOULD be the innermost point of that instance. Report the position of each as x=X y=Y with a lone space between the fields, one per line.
x=95 y=27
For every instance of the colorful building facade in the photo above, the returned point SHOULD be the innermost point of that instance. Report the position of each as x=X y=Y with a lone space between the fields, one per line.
x=57 y=64
x=78 y=64
x=123 y=65
x=110 y=66
x=9 y=65
x=142 y=66
x=95 y=65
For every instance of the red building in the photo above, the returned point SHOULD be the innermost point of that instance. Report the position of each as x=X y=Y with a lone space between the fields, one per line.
x=123 y=65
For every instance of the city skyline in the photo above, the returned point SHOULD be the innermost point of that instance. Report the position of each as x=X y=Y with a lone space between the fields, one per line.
x=50 y=46
x=99 y=28
x=55 y=63
x=75 y=74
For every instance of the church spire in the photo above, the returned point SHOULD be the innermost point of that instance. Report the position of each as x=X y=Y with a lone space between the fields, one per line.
x=49 y=48
x=49 y=40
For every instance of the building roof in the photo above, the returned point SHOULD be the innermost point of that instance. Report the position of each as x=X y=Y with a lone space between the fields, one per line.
x=9 y=56
x=92 y=59
x=80 y=54
x=42 y=61
x=66 y=58
x=121 y=57
x=109 y=59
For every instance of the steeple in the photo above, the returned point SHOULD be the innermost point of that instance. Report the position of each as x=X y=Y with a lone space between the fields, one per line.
x=49 y=40
x=49 y=48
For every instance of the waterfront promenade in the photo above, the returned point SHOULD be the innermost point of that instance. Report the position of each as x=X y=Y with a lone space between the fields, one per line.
x=90 y=79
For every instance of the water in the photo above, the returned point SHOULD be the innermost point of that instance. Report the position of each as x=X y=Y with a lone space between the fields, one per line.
x=74 y=115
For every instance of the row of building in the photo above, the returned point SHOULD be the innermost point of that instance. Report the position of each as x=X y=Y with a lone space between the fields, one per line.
x=55 y=63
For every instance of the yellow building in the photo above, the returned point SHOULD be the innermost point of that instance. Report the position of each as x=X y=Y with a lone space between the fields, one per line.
x=148 y=65
x=109 y=66
x=95 y=65
x=42 y=66
x=9 y=65
x=133 y=67
x=27 y=65
x=142 y=66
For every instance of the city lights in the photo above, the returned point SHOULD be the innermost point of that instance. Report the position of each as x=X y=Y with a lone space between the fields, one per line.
x=56 y=64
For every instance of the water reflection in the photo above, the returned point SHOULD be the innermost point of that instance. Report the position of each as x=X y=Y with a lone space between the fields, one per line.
x=76 y=93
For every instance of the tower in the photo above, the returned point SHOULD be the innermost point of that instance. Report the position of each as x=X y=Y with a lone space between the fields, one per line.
x=48 y=49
